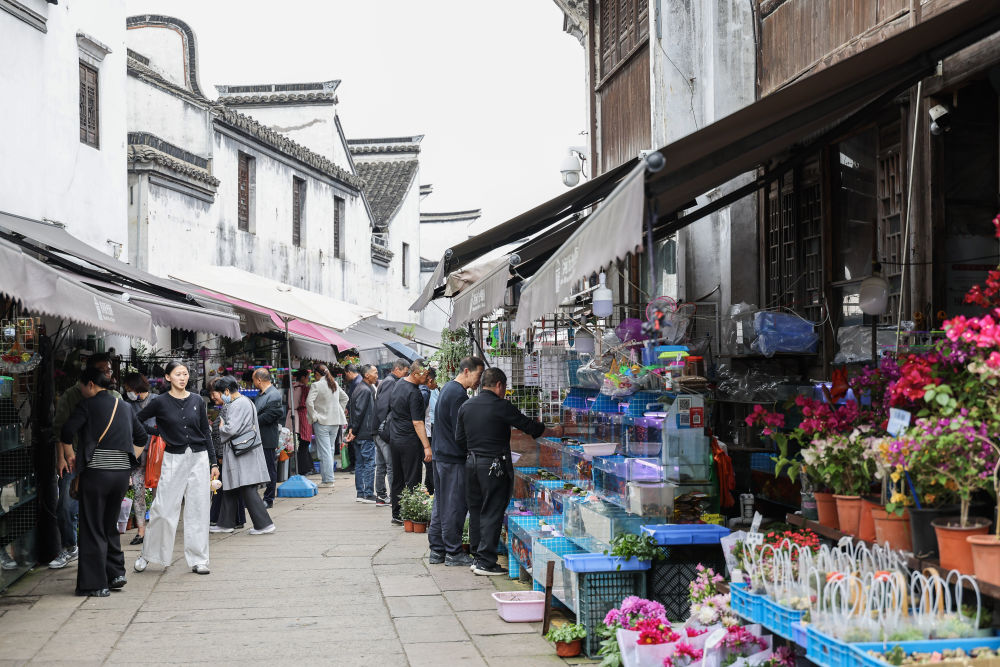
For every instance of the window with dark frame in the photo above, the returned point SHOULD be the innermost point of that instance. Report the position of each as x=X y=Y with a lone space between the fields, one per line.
x=406 y=264
x=298 y=202
x=89 y=107
x=622 y=26
x=338 y=227
x=246 y=164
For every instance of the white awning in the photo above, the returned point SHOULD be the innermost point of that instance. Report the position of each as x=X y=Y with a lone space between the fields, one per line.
x=481 y=297
x=291 y=303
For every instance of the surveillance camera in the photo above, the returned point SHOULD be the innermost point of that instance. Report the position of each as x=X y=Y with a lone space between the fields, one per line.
x=940 y=119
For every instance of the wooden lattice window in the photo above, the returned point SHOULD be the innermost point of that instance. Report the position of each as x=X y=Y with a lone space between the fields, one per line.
x=623 y=25
x=89 y=107
x=244 y=192
x=406 y=264
x=890 y=188
x=794 y=238
x=338 y=227
x=298 y=202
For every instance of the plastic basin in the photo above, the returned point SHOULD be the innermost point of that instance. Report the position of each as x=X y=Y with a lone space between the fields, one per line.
x=520 y=606
x=599 y=448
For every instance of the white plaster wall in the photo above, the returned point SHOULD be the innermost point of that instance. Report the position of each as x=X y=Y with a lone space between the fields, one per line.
x=404 y=228
x=436 y=237
x=312 y=125
x=180 y=122
x=163 y=46
x=45 y=171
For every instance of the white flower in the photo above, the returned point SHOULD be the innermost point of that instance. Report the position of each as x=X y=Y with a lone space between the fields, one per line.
x=706 y=615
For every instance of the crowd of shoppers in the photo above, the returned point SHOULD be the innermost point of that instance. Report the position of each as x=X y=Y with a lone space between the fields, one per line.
x=403 y=430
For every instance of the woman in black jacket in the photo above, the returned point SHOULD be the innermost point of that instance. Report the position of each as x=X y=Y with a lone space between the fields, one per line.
x=110 y=437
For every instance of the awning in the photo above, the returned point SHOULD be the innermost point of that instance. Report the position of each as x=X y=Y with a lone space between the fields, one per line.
x=482 y=297
x=49 y=291
x=612 y=231
x=290 y=303
x=404 y=351
x=368 y=335
x=307 y=348
x=55 y=242
x=307 y=330
x=522 y=226
x=760 y=131
x=415 y=332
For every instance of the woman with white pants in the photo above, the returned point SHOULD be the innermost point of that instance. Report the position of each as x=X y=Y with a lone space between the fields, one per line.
x=325 y=409
x=189 y=463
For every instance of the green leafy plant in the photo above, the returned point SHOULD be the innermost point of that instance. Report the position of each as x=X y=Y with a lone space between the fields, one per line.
x=628 y=545
x=609 y=651
x=415 y=504
x=566 y=633
x=455 y=346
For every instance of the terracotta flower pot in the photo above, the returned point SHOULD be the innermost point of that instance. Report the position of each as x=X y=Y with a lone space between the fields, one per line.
x=848 y=513
x=407 y=525
x=826 y=507
x=892 y=530
x=956 y=552
x=419 y=527
x=986 y=557
x=866 y=524
x=568 y=649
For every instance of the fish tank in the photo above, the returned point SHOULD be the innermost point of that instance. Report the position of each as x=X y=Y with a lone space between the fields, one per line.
x=687 y=455
x=643 y=436
x=613 y=473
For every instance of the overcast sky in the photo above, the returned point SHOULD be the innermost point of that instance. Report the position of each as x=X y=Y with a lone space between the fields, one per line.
x=497 y=88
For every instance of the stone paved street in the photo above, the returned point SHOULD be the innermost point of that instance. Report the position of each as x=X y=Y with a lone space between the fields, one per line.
x=335 y=585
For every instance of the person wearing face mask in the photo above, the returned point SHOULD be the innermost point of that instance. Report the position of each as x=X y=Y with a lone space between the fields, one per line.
x=189 y=462
x=137 y=392
x=241 y=473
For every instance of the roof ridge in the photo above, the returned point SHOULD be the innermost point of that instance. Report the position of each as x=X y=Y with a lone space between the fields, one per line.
x=150 y=75
x=137 y=152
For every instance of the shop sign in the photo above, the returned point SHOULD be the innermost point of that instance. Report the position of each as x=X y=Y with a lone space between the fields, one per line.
x=105 y=312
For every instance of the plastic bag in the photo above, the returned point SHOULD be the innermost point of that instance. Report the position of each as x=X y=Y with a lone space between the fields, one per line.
x=591 y=374
x=154 y=460
x=783 y=332
x=123 y=513
x=737 y=328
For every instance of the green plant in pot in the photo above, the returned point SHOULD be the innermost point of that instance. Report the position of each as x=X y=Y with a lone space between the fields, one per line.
x=415 y=507
x=567 y=638
x=630 y=545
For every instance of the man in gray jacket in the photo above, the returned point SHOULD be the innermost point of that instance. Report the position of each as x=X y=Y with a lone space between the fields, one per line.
x=383 y=456
x=361 y=433
x=270 y=416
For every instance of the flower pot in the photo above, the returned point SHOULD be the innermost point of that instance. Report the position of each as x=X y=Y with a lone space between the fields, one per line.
x=956 y=553
x=986 y=557
x=809 y=506
x=922 y=532
x=848 y=513
x=892 y=530
x=826 y=509
x=407 y=525
x=419 y=527
x=866 y=524
x=568 y=649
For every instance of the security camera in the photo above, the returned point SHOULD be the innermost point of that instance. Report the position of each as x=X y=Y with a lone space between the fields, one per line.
x=940 y=119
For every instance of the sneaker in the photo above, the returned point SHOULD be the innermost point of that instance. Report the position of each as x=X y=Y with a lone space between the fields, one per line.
x=359 y=499
x=140 y=564
x=118 y=582
x=6 y=562
x=436 y=558
x=263 y=531
x=60 y=561
x=488 y=570
x=382 y=502
x=200 y=569
x=326 y=485
x=369 y=500
x=461 y=560
x=218 y=529
x=396 y=522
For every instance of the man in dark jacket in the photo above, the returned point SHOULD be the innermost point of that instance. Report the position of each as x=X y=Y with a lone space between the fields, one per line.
x=448 y=514
x=270 y=416
x=483 y=428
x=361 y=434
x=352 y=380
x=383 y=455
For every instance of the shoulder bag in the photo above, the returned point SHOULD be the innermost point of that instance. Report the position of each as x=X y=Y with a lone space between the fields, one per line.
x=74 y=486
x=248 y=442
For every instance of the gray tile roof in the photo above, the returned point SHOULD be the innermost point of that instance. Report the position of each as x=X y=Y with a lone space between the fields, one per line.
x=375 y=150
x=252 y=128
x=386 y=183
x=144 y=153
x=322 y=92
x=149 y=75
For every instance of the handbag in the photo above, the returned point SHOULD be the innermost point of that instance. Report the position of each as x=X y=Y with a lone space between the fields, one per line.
x=154 y=460
x=385 y=428
x=249 y=442
x=74 y=486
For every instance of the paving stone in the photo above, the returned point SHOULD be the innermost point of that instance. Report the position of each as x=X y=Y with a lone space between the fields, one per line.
x=407 y=585
x=474 y=600
x=446 y=653
x=418 y=605
x=424 y=629
x=526 y=661
x=507 y=646
x=490 y=623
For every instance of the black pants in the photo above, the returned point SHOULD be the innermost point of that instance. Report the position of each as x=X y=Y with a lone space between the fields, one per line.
x=429 y=474
x=407 y=466
x=270 y=458
x=101 y=557
x=304 y=460
x=240 y=517
x=488 y=498
x=249 y=496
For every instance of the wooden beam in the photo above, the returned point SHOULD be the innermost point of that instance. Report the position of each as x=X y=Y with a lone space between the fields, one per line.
x=547 y=618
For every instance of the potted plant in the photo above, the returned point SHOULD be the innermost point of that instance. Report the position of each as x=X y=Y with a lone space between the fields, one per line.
x=567 y=638
x=628 y=546
x=422 y=510
x=408 y=507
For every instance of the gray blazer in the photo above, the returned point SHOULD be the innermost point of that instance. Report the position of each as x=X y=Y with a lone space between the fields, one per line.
x=241 y=419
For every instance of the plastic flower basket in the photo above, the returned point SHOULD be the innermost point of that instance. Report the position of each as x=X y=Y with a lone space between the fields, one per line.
x=827 y=651
x=799 y=634
x=783 y=618
x=865 y=659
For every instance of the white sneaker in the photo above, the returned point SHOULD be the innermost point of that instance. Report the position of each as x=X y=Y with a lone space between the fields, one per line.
x=327 y=485
x=73 y=553
x=263 y=531
x=6 y=561
x=217 y=529
x=200 y=569
x=140 y=564
x=60 y=561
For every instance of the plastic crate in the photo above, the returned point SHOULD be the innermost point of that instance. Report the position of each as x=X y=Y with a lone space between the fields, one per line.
x=780 y=618
x=597 y=593
x=684 y=548
x=740 y=600
x=799 y=634
x=826 y=651
x=762 y=462
x=553 y=549
x=930 y=646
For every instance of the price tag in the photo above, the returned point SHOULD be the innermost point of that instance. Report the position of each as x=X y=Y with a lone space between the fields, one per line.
x=899 y=421
x=755 y=525
x=754 y=539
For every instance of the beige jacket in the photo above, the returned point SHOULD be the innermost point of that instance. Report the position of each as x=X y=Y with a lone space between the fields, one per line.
x=323 y=406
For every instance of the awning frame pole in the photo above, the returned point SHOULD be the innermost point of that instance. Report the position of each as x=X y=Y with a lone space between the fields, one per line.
x=291 y=394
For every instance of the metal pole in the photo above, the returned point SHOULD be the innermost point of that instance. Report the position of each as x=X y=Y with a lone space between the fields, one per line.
x=291 y=394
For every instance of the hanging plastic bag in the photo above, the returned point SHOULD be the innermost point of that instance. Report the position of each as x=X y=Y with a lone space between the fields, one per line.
x=345 y=457
x=123 y=513
x=154 y=460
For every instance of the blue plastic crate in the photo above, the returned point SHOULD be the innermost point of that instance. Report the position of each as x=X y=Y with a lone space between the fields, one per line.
x=928 y=646
x=762 y=462
x=827 y=651
x=602 y=563
x=778 y=619
x=670 y=534
x=799 y=634
x=748 y=605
